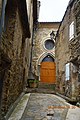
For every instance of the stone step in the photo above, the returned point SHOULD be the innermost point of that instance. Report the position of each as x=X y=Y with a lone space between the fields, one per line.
x=46 y=86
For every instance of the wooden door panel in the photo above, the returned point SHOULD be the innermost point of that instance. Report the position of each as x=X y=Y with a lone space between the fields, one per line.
x=48 y=72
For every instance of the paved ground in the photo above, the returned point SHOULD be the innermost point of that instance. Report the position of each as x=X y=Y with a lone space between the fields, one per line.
x=43 y=107
x=39 y=106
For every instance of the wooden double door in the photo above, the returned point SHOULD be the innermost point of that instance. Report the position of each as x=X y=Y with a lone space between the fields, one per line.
x=48 y=72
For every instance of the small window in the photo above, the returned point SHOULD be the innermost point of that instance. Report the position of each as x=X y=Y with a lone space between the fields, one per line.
x=67 y=71
x=71 y=31
x=49 y=44
x=48 y=58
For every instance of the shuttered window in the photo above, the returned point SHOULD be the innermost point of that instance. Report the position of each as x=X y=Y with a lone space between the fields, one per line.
x=71 y=31
x=67 y=71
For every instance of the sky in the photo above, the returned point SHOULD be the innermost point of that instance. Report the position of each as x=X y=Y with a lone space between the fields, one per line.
x=52 y=10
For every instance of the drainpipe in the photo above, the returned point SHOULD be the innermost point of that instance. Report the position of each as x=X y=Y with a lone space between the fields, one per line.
x=31 y=76
x=2 y=20
x=35 y=25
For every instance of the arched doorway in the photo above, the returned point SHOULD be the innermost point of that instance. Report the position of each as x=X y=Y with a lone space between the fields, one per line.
x=48 y=70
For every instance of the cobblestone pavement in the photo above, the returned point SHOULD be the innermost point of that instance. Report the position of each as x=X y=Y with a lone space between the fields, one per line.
x=45 y=107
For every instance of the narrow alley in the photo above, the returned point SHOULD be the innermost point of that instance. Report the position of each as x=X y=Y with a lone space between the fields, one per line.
x=39 y=60
x=39 y=106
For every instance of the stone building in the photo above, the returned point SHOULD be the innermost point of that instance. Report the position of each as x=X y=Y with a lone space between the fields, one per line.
x=68 y=52
x=17 y=19
x=43 y=59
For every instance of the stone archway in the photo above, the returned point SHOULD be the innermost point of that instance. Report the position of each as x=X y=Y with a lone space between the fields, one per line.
x=43 y=56
x=46 y=68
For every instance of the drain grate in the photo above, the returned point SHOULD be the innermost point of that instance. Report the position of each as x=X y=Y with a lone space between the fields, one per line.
x=50 y=114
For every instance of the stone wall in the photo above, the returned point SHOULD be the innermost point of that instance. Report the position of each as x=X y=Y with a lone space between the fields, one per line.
x=15 y=57
x=66 y=52
x=11 y=45
x=75 y=51
x=75 y=44
x=62 y=51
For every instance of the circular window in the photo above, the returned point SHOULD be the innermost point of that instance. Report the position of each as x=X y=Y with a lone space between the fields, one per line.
x=49 y=44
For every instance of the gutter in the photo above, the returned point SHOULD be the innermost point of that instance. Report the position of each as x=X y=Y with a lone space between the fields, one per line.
x=66 y=98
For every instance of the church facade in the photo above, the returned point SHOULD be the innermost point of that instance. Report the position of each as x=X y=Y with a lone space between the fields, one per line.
x=43 y=59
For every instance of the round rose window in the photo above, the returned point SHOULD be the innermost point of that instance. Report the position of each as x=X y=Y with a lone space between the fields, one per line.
x=49 y=44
